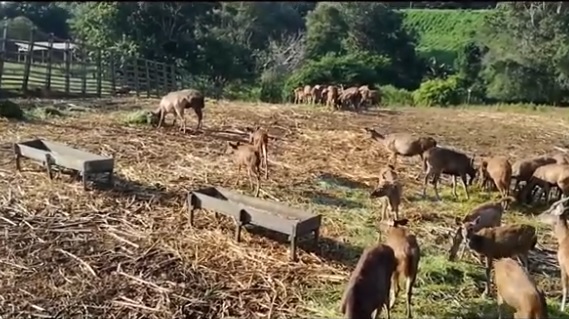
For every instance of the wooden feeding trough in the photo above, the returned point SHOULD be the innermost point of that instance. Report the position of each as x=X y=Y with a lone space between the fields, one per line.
x=254 y=211
x=51 y=154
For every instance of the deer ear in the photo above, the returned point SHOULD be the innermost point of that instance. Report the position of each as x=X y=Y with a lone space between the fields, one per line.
x=476 y=220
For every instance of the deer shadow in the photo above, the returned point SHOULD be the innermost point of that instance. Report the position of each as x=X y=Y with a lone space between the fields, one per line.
x=329 y=249
x=333 y=180
x=322 y=198
x=376 y=112
x=122 y=188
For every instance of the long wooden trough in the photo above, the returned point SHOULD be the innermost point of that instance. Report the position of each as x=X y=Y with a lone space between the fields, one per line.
x=51 y=154
x=254 y=211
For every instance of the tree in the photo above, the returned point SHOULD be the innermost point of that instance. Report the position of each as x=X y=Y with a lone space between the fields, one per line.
x=376 y=28
x=325 y=30
x=47 y=16
x=527 y=52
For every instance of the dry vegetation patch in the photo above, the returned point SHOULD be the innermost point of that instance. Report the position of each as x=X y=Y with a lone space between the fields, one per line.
x=129 y=251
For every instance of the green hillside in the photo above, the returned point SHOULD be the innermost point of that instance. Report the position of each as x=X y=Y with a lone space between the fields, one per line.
x=443 y=32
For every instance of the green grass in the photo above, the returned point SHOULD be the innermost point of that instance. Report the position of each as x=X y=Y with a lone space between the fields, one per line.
x=442 y=286
x=442 y=33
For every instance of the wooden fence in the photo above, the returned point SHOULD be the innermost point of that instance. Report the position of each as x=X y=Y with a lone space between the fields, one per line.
x=60 y=68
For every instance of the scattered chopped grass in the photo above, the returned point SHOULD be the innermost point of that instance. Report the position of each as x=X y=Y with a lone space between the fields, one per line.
x=135 y=117
x=134 y=241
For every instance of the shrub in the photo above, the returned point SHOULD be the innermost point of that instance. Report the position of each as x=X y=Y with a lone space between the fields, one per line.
x=439 y=92
x=242 y=92
x=272 y=87
x=393 y=96
x=11 y=110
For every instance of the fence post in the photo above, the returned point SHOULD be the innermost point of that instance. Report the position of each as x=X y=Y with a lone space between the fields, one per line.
x=164 y=78
x=173 y=74
x=67 y=58
x=147 y=70
x=28 y=64
x=83 y=65
x=156 y=79
x=183 y=82
x=99 y=74
x=3 y=49
x=49 y=62
x=136 y=77
x=113 y=75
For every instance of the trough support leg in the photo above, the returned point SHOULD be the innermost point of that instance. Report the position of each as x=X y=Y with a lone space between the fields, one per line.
x=192 y=212
x=18 y=157
x=85 y=178
x=239 y=224
x=110 y=178
x=316 y=236
x=292 y=239
x=48 y=166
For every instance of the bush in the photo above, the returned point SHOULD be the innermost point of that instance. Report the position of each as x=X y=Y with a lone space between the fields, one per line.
x=272 y=87
x=242 y=92
x=439 y=92
x=352 y=69
x=393 y=96
x=11 y=110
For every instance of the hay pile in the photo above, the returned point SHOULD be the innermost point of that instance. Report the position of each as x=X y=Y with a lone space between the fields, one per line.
x=129 y=252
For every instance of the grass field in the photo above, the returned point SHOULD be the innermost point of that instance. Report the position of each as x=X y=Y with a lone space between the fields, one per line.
x=442 y=33
x=130 y=252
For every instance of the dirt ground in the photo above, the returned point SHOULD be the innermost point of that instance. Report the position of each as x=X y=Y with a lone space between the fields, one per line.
x=129 y=251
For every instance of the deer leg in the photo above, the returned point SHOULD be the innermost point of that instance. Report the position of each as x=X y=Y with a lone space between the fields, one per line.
x=463 y=179
x=488 y=276
x=258 y=178
x=394 y=289
x=409 y=282
x=250 y=174
x=435 y=185
x=238 y=174
x=462 y=250
x=454 y=186
x=161 y=120
x=499 y=301
x=199 y=114
x=394 y=209
x=426 y=181
x=183 y=123
x=564 y=288
x=266 y=160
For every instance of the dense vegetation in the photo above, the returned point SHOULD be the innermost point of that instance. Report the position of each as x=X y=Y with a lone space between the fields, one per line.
x=514 y=52
x=442 y=34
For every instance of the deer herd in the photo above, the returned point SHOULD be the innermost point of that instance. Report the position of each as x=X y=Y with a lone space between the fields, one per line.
x=374 y=283
x=337 y=97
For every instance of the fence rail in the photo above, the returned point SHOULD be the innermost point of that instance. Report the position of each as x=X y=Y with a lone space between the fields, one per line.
x=62 y=68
